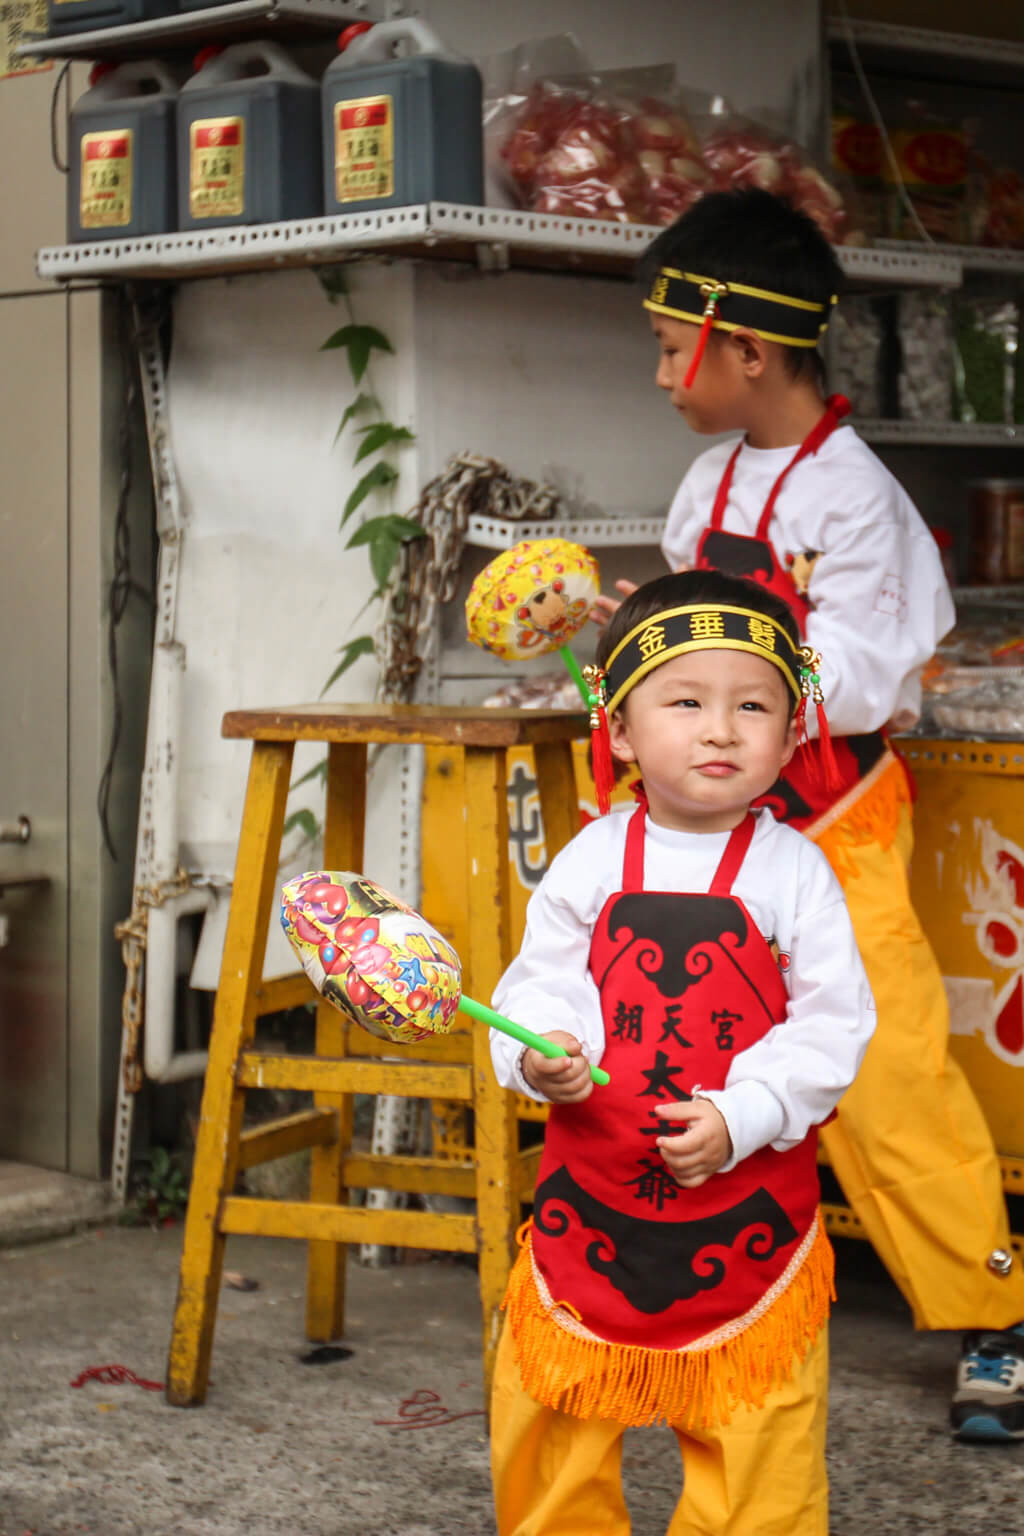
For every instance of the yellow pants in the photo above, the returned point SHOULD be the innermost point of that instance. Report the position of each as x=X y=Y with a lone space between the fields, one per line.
x=911 y=1147
x=763 y=1474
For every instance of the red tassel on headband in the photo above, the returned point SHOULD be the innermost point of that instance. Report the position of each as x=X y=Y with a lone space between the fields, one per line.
x=600 y=739
x=810 y=688
x=711 y=293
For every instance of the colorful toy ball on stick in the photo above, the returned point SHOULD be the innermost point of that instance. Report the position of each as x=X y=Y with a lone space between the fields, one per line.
x=532 y=599
x=382 y=964
x=373 y=957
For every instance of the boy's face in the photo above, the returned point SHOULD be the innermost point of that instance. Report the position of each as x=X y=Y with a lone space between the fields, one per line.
x=710 y=731
x=718 y=399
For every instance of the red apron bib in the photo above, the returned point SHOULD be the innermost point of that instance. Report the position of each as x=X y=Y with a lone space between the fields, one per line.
x=799 y=796
x=686 y=982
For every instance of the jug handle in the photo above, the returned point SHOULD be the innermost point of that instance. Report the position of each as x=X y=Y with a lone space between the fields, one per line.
x=374 y=46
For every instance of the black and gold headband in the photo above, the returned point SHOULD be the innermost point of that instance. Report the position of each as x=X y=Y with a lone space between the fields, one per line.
x=728 y=306
x=704 y=627
x=700 y=627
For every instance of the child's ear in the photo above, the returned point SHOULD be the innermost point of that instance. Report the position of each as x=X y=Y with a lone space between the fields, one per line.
x=789 y=744
x=619 y=734
x=750 y=351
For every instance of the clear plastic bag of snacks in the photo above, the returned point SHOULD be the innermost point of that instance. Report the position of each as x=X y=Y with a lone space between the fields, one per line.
x=623 y=144
x=612 y=145
x=925 y=330
x=985 y=359
x=739 y=151
x=989 y=706
x=856 y=338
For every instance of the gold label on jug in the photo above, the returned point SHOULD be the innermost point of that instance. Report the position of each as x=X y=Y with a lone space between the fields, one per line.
x=105 y=200
x=364 y=149
x=216 y=169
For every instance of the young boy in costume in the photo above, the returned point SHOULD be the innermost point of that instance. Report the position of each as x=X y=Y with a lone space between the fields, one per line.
x=739 y=291
x=676 y=1269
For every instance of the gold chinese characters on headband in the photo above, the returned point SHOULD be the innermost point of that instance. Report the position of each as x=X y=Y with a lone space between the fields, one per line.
x=651 y=641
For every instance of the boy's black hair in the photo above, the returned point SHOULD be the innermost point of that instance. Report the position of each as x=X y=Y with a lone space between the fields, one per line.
x=754 y=237
x=683 y=588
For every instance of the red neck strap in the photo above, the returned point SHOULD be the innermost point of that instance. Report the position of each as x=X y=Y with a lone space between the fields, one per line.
x=728 y=866
x=836 y=407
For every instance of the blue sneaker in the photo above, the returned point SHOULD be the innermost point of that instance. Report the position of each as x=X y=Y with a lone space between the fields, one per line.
x=988 y=1403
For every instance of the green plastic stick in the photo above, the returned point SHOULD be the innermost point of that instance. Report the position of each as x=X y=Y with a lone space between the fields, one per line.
x=573 y=668
x=519 y=1032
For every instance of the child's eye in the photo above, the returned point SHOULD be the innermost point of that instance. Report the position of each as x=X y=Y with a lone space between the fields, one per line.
x=687 y=703
x=752 y=704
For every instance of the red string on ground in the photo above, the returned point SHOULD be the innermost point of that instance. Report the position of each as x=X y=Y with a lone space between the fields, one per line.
x=423 y=1410
x=113 y=1374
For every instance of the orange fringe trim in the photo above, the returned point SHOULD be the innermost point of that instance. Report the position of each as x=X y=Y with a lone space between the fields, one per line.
x=565 y=1366
x=869 y=813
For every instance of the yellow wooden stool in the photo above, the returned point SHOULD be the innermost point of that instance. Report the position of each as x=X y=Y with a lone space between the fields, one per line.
x=347 y=1059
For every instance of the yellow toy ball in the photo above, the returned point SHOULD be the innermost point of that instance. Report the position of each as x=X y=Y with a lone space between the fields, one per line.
x=532 y=599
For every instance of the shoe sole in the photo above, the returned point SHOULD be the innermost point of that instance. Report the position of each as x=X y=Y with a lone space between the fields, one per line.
x=977 y=1421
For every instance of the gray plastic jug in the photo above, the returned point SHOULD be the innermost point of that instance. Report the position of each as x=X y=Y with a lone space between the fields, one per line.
x=400 y=130
x=121 y=175
x=248 y=139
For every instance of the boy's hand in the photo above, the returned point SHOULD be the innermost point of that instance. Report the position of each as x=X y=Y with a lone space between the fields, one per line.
x=704 y=1146
x=604 y=607
x=562 y=1079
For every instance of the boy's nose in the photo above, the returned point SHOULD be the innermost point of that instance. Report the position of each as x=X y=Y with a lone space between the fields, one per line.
x=718 y=728
x=663 y=375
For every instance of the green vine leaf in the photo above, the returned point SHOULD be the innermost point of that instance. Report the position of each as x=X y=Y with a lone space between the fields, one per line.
x=334 y=282
x=306 y=821
x=380 y=475
x=359 y=341
x=362 y=646
x=318 y=771
x=359 y=404
x=379 y=434
x=384 y=536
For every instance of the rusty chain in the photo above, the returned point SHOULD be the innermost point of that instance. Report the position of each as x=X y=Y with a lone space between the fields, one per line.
x=132 y=933
x=427 y=571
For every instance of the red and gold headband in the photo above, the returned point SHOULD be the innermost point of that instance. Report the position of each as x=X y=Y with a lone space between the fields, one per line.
x=728 y=306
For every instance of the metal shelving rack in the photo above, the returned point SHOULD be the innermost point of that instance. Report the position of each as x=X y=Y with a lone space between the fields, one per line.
x=493 y=237
x=972 y=258
x=950 y=434
x=888 y=48
x=603 y=532
x=235 y=21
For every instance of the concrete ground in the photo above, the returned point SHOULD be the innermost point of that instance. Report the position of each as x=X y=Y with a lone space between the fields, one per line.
x=287 y=1446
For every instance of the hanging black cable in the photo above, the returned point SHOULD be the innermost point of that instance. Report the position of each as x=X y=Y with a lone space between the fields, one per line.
x=122 y=585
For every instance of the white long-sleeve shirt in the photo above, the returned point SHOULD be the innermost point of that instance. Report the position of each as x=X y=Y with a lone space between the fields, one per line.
x=794 y=1076
x=881 y=602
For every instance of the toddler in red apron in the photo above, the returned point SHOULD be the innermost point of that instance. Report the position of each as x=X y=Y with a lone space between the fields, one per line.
x=675 y=1268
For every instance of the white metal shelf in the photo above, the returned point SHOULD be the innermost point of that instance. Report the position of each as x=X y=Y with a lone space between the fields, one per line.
x=498 y=533
x=972 y=258
x=954 y=55
x=495 y=237
x=998 y=597
x=234 y=21
x=903 y=263
x=949 y=433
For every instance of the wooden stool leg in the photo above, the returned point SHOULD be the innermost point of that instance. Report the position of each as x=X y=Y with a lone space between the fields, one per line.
x=496 y=1134
x=344 y=823
x=216 y=1160
x=559 y=799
